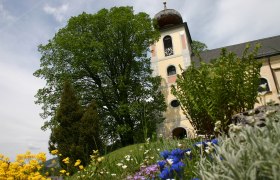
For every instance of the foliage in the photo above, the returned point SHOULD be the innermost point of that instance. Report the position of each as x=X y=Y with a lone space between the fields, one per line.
x=26 y=166
x=76 y=133
x=198 y=47
x=105 y=56
x=217 y=90
x=247 y=153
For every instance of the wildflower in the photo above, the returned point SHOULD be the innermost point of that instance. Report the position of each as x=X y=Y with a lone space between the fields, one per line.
x=161 y=164
x=214 y=141
x=166 y=174
x=127 y=157
x=81 y=167
x=165 y=154
x=179 y=145
x=119 y=164
x=199 y=144
x=66 y=160
x=177 y=153
x=113 y=174
x=146 y=151
x=100 y=159
x=124 y=166
x=188 y=151
x=67 y=174
x=169 y=161
x=77 y=163
x=62 y=171
x=54 y=152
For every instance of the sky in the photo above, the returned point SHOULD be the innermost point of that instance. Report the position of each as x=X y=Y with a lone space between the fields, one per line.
x=25 y=24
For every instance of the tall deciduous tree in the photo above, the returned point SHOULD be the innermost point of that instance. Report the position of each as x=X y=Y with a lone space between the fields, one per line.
x=215 y=91
x=105 y=56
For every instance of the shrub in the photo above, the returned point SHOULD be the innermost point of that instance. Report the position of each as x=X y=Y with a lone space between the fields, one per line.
x=247 y=153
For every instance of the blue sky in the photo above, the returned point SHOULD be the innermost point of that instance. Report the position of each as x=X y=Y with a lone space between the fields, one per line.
x=24 y=24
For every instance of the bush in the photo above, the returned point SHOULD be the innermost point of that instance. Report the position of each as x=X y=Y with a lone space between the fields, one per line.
x=247 y=153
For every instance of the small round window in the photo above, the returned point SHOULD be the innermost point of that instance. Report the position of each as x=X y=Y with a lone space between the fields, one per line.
x=175 y=103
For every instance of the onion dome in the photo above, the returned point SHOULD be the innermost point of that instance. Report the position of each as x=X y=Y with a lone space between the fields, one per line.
x=168 y=18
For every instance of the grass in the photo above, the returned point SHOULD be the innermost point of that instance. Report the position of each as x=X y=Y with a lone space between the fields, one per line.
x=128 y=160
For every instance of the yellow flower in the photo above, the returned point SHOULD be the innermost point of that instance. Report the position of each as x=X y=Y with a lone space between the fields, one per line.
x=54 y=152
x=67 y=174
x=100 y=159
x=77 y=163
x=81 y=167
x=66 y=160
x=62 y=171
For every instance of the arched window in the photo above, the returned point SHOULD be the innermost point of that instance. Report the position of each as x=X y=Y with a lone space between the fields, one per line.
x=175 y=103
x=263 y=87
x=168 y=47
x=171 y=70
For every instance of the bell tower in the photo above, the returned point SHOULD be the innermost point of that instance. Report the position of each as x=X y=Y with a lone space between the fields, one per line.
x=168 y=54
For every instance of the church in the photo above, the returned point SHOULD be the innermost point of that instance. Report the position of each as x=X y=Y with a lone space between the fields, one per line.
x=174 y=49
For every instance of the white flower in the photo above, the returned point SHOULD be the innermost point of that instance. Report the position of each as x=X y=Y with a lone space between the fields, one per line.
x=158 y=149
x=188 y=153
x=119 y=164
x=124 y=166
x=160 y=135
x=179 y=145
x=169 y=161
x=198 y=145
x=209 y=143
x=146 y=151
x=113 y=174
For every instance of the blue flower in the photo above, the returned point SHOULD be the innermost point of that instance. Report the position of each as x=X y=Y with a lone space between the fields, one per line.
x=195 y=179
x=214 y=141
x=165 y=154
x=178 y=153
x=166 y=174
x=161 y=164
x=177 y=167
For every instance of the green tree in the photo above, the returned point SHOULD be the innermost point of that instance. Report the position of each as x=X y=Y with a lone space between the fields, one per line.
x=89 y=132
x=198 y=47
x=105 y=56
x=212 y=92
x=65 y=133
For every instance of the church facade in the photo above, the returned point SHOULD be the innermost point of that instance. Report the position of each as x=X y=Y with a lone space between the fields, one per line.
x=173 y=52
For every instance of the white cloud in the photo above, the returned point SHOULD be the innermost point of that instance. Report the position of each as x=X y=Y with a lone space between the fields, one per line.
x=59 y=13
x=20 y=121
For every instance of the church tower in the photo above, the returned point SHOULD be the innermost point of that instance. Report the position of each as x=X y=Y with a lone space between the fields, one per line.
x=168 y=54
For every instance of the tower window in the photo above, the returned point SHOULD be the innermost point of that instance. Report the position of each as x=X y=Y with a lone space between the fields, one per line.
x=171 y=70
x=263 y=87
x=175 y=103
x=168 y=47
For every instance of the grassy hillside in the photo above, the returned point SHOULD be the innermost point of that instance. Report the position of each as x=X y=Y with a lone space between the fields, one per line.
x=127 y=161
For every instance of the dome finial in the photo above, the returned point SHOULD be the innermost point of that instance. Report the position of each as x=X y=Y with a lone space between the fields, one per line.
x=164 y=3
